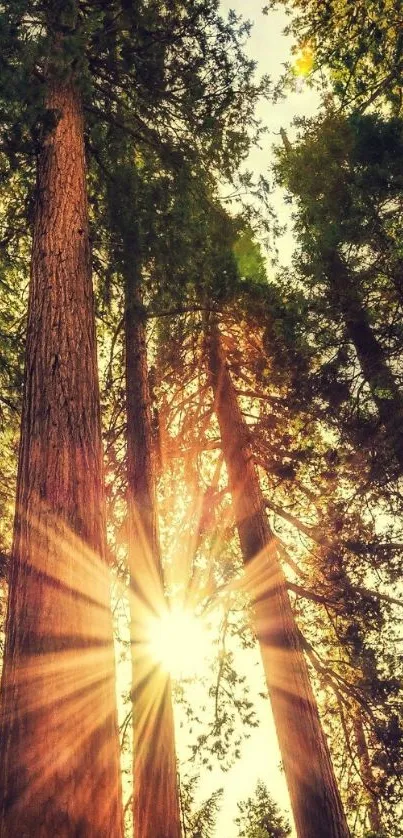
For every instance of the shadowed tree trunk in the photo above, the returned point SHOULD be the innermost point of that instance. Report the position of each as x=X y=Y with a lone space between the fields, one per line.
x=59 y=770
x=308 y=769
x=155 y=799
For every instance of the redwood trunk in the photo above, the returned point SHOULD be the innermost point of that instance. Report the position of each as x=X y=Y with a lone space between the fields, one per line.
x=155 y=796
x=314 y=795
x=375 y=370
x=59 y=771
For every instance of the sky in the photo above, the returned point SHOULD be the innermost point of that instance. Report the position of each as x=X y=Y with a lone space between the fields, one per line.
x=269 y=47
x=260 y=757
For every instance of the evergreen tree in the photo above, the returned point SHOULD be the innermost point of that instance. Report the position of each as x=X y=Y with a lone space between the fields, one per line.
x=198 y=820
x=56 y=616
x=155 y=796
x=259 y=816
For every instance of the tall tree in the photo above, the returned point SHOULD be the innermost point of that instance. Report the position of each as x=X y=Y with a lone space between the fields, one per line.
x=155 y=794
x=313 y=790
x=155 y=797
x=59 y=759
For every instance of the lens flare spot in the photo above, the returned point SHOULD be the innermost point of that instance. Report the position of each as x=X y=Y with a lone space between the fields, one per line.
x=304 y=61
x=179 y=642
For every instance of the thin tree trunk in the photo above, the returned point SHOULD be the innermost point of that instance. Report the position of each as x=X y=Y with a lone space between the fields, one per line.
x=314 y=795
x=371 y=357
x=367 y=776
x=59 y=769
x=155 y=798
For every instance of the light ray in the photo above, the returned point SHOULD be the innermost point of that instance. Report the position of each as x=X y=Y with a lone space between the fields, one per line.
x=58 y=703
x=179 y=642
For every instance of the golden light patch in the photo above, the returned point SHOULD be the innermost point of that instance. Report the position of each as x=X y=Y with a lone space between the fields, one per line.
x=304 y=61
x=179 y=642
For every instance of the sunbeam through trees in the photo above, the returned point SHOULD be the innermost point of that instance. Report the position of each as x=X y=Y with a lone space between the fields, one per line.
x=201 y=419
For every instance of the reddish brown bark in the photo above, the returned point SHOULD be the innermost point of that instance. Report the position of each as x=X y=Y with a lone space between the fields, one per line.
x=155 y=798
x=314 y=795
x=59 y=771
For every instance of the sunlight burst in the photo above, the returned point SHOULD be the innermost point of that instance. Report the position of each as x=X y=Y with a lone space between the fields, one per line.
x=179 y=642
x=304 y=62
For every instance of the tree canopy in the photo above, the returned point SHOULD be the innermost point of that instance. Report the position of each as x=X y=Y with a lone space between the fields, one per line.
x=247 y=485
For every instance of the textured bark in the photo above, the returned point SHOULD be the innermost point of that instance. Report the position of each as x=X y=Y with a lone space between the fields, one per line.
x=155 y=797
x=366 y=772
x=59 y=769
x=308 y=769
x=377 y=374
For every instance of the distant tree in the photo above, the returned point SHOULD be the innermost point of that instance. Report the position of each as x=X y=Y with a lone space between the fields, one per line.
x=259 y=816
x=198 y=820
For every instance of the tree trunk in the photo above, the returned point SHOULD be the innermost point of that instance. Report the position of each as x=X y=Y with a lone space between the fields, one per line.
x=314 y=795
x=367 y=776
x=384 y=390
x=155 y=798
x=59 y=771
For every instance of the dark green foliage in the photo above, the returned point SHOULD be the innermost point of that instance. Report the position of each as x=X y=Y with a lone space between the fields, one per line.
x=346 y=183
x=345 y=176
x=172 y=75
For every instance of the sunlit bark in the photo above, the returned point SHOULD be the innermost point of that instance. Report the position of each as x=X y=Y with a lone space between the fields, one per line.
x=314 y=795
x=59 y=769
x=155 y=797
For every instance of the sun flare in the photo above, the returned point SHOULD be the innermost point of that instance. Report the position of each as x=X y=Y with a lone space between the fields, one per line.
x=304 y=62
x=179 y=642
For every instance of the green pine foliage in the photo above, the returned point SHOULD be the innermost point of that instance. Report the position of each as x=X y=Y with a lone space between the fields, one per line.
x=359 y=43
x=345 y=183
x=198 y=818
x=260 y=817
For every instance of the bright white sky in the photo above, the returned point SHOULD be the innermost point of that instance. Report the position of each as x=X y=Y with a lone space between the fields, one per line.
x=260 y=755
